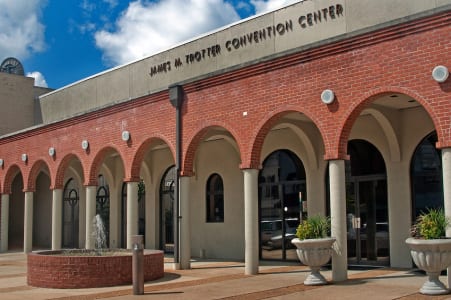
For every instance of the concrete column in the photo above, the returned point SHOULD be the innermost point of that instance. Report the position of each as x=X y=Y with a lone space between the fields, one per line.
x=132 y=212
x=399 y=213
x=82 y=218
x=338 y=219
x=446 y=169
x=115 y=216
x=185 y=224
x=152 y=216
x=57 y=218
x=251 y=221
x=90 y=214
x=4 y=223
x=28 y=223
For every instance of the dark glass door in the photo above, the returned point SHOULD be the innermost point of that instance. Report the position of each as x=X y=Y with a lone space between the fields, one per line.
x=70 y=215
x=367 y=219
x=282 y=183
x=167 y=211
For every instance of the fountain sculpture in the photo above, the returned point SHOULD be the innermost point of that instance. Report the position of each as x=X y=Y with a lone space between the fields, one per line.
x=84 y=268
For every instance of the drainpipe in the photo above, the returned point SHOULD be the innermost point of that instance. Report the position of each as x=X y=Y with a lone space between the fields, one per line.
x=176 y=99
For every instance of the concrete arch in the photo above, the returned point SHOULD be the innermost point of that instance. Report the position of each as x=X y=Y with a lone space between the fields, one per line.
x=72 y=173
x=198 y=136
x=132 y=174
x=354 y=111
x=311 y=158
x=392 y=139
x=94 y=168
x=146 y=173
x=58 y=182
x=108 y=174
x=261 y=130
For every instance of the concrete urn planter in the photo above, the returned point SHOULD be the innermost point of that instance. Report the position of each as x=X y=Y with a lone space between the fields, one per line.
x=314 y=253
x=431 y=256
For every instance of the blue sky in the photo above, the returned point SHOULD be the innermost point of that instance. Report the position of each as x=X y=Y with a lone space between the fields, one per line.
x=62 y=41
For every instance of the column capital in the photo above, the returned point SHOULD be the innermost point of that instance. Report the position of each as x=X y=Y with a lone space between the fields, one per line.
x=56 y=187
x=253 y=166
x=90 y=185
x=442 y=145
x=184 y=173
x=132 y=179
x=338 y=157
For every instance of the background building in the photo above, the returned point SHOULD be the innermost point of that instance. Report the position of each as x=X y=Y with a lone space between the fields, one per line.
x=19 y=98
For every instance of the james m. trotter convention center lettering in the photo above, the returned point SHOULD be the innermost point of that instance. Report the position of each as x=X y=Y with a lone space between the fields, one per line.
x=250 y=39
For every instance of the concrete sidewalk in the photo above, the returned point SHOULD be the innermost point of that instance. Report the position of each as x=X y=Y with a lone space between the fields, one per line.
x=210 y=279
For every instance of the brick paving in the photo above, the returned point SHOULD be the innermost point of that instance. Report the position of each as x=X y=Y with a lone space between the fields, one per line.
x=226 y=280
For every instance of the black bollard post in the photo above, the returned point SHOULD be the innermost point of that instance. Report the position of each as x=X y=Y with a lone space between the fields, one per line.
x=137 y=265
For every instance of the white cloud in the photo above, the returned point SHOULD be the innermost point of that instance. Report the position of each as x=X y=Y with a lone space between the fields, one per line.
x=21 y=31
x=243 y=5
x=145 y=27
x=262 y=6
x=39 y=79
x=87 y=6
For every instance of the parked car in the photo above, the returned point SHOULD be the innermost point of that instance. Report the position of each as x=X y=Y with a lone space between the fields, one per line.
x=271 y=233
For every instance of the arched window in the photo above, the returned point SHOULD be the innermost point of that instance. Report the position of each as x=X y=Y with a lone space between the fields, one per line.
x=426 y=176
x=215 y=199
x=103 y=204
x=70 y=214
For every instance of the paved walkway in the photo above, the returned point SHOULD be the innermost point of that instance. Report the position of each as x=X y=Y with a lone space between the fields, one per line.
x=226 y=280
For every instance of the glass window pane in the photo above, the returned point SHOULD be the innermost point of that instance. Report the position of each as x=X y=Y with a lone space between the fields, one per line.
x=215 y=199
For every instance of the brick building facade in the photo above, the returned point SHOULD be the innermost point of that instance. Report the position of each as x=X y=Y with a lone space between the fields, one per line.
x=257 y=145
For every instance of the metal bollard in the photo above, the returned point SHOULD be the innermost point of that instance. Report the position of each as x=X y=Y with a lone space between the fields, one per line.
x=137 y=264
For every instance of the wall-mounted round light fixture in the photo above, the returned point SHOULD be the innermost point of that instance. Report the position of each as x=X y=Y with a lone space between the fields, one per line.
x=24 y=157
x=125 y=135
x=84 y=144
x=51 y=151
x=440 y=73
x=1 y=162
x=327 y=96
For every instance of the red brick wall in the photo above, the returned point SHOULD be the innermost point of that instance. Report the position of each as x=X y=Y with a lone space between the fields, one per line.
x=72 y=272
x=396 y=59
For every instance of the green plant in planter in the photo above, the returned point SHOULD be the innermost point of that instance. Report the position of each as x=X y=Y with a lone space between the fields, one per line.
x=431 y=225
x=314 y=227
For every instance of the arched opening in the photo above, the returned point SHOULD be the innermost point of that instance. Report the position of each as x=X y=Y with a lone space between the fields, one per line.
x=142 y=209
x=103 y=206
x=366 y=205
x=124 y=215
x=71 y=210
x=282 y=187
x=167 y=210
x=42 y=212
x=16 y=214
x=426 y=176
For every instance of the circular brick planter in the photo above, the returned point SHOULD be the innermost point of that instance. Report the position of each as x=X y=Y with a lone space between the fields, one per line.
x=52 y=269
